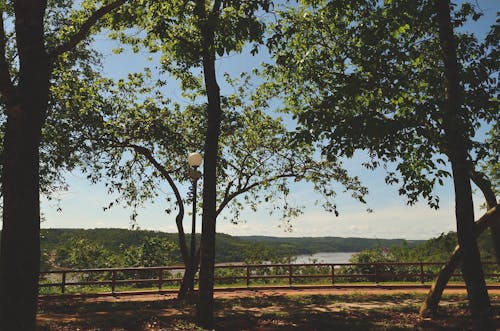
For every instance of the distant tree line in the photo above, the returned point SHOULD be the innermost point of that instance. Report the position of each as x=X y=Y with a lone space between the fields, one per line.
x=101 y=248
x=104 y=248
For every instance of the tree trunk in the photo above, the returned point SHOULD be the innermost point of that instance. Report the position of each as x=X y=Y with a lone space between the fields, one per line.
x=20 y=248
x=454 y=128
x=187 y=284
x=430 y=305
x=205 y=307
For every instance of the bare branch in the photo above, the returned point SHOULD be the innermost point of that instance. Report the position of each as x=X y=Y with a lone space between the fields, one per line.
x=228 y=189
x=247 y=188
x=484 y=185
x=84 y=29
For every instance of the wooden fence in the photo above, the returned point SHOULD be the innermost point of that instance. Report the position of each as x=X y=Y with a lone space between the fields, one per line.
x=257 y=275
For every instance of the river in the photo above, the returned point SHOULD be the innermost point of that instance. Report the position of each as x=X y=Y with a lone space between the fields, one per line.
x=325 y=257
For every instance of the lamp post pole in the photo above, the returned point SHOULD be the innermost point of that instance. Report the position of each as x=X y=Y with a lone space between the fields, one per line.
x=194 y=160
x=193 y=225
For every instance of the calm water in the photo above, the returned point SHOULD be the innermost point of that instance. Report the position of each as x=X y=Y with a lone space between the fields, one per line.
x=325 y=257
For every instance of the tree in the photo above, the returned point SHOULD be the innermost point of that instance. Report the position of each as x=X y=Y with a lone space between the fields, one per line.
x=190 y=35
x=83 y=253
x=25 y=82
x=454 y=122
x=131 y=151
x=369 y=75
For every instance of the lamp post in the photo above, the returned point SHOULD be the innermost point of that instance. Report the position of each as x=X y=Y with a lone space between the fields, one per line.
x=194 y=160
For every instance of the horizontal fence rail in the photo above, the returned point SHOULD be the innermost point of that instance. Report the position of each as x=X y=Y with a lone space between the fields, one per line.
x=113 y=280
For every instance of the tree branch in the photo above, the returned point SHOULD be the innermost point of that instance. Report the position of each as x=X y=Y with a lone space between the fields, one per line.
x=484 y=185
x=247 y=188
x=148 y=154
x=228 y=188
x=84 y=29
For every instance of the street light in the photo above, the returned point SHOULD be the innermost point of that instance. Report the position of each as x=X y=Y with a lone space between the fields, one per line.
x=194 y=160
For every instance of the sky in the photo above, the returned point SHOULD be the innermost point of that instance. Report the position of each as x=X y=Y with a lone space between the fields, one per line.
x=82 y=205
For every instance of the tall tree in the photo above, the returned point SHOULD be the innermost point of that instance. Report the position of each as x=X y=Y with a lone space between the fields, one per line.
x=454 y=119
x=25 y=81
x=191 y=35
x=370 y=75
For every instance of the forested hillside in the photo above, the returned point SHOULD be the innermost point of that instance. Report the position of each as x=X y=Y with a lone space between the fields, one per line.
x=80 y=248
x=122 y=247
x=311 y=245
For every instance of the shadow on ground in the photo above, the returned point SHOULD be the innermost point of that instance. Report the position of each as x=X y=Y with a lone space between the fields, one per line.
x=311 y=312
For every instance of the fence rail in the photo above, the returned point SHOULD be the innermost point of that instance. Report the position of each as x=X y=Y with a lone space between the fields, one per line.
x=257 y=275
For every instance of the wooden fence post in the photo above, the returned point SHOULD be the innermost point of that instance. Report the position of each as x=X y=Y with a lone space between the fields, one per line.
x=113 y=281
x=376 y=272
x=248 y=276
x=160 y=279
x=63 y=282
x=333 y=274
x=422 y=273
x=290 y=275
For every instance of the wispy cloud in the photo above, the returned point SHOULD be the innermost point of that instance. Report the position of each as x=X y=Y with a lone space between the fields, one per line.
x=417 y=222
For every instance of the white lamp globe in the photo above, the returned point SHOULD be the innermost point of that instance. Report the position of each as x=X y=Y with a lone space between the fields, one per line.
x=195 y=159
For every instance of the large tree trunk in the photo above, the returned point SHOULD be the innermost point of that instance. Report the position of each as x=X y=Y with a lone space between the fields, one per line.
x=205 y=307
x=20 y=250
x=430 y=305
x=206 y=302
x=454 y=128
x=26 y=109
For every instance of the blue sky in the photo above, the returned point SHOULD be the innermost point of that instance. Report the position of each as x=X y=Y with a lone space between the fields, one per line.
x=392 y=218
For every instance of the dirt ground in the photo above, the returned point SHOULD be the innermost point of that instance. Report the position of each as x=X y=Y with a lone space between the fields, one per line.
x=263 y=310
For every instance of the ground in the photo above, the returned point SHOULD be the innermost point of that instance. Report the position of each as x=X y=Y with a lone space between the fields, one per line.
x=282 y=309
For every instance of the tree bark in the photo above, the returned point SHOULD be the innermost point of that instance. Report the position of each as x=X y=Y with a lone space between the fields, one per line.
x=187 y=284
x=20 y=248
x=205 y=306
x=454 y=128
x=430 y=305
x=484 y=184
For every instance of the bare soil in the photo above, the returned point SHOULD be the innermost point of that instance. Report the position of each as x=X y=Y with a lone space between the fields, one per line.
x=270 y=309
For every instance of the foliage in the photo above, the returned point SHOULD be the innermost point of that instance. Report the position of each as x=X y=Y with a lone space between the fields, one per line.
x=153 y=252
x=74 y=84
x=83 y=254
x=174 y=30
x=368 y=75
x=129 y=147
x=433 y=250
